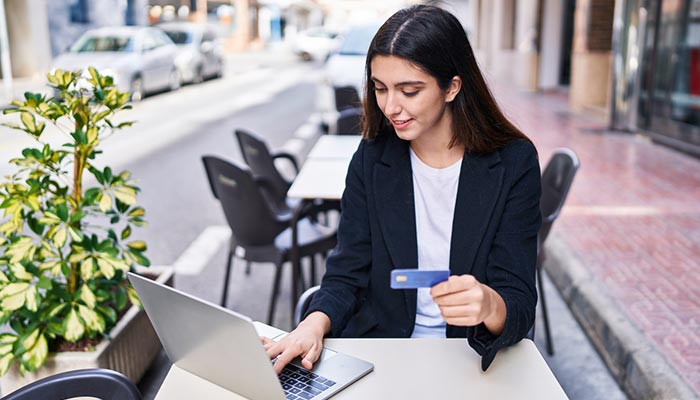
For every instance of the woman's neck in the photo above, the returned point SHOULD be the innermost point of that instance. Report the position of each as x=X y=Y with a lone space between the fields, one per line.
x=434 y=150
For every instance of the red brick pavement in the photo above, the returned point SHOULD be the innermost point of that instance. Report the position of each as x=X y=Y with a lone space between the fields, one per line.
x=632 y=218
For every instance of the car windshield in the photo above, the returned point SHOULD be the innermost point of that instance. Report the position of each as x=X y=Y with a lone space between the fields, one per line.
x=357 y=41
x=104 y=43
x=179 y=37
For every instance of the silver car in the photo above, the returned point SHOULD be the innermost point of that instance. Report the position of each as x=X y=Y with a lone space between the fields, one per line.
x=200 y=55
x=140 y=59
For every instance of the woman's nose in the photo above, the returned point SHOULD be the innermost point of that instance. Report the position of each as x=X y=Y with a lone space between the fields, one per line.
x=393 y=106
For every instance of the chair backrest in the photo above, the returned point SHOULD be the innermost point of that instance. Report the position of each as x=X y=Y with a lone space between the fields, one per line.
x=103 y=384
x=349 y=122
x=556 y=182
x=247 y=212
x=346 y=97
x=258 y=157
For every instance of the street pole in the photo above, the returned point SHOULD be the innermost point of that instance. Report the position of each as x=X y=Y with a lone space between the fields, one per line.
x=5 y=54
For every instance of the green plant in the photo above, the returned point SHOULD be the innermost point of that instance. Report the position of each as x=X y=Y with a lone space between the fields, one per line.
x=62 y=263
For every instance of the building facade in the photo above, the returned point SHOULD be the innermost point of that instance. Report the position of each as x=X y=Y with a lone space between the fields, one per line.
x=637 y=62
x=656 y=85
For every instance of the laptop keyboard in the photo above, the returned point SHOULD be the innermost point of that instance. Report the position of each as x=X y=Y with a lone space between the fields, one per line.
x=301 y=384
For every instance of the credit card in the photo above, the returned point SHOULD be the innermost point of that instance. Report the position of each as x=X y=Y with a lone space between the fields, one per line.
x=416 y=278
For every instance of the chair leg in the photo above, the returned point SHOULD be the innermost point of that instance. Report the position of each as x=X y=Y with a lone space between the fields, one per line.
x=227 y=276
x=275 y=293
x=545 y=318
x=247 y=267
x=312 y=271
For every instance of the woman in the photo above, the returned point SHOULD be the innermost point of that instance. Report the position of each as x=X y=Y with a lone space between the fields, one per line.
x=440 y=180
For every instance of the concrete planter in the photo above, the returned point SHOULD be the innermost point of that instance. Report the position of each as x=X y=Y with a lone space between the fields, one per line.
x=131 y=347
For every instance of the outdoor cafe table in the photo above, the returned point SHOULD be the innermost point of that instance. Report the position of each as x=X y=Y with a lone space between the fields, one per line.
x=411 y=369
x=333 y=146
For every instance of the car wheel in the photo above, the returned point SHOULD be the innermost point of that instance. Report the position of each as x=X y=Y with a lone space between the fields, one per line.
x=198 y=75
x=306 y=56
x=136 y=89
x=174 y=80
x=219 y=70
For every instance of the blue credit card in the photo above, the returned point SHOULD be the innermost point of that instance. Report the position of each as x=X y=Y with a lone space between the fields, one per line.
x=416 y=278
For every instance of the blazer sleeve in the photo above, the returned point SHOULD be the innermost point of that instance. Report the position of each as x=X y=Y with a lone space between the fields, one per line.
x=512 y=259
x=347 y=268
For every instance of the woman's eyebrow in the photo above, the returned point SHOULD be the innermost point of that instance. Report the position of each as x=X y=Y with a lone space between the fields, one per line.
x=405 y=83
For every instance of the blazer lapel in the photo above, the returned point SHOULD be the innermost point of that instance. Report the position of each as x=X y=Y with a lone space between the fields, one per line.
x=480 y=181
x=393 y=189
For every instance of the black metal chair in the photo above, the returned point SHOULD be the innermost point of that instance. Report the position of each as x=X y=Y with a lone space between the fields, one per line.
x=349 y=122
x=263 y=234
x=261 y=162
x=346 y=97
x=556 y=182
x=303 y=303
x=103 y=384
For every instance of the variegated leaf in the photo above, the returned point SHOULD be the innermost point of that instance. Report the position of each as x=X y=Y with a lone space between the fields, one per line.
x=5 y=362
x=92 y=320
x=105 y=202
x=59 y=238
x=73 y=327
x=106 y=268
x=126 y=195
x=36 y=356
x=87 y=296
x=20 y=273
x=32 y=299
x=87 y=269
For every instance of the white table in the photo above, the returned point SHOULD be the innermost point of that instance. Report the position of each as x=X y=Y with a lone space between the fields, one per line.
x=323 y=174
x=413 y=369
x=331 y=146
x=320 y=178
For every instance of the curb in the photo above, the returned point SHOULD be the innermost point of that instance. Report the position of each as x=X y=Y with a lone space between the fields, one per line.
x=202 y=250
x=638 y=367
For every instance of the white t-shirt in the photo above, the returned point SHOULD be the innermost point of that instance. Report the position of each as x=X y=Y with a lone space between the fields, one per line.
x=435 y=195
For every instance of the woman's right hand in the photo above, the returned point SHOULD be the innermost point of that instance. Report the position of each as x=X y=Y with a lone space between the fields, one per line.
x=305 y=341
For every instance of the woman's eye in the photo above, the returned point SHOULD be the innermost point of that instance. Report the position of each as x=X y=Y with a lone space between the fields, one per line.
x=410 y=94
x=378 y=89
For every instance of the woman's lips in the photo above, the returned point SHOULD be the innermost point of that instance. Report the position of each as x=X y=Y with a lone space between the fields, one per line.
x=401 y=123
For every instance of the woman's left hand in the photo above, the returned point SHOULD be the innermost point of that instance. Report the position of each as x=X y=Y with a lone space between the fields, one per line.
x=464 y=301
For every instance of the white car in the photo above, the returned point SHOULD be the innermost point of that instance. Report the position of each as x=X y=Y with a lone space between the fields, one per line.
x=315 y=43
x=200 y=54
x=347 y=66
x=140 y=59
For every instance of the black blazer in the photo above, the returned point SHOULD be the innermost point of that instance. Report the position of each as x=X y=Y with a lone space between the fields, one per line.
x=494 y=238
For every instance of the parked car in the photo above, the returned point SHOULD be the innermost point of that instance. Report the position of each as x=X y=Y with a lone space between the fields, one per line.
x=200 y=54
x=347 y=66
x=140 y=59
x=316 y=43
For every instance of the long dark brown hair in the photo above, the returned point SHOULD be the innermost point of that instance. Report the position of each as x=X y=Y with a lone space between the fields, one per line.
x=434 y=40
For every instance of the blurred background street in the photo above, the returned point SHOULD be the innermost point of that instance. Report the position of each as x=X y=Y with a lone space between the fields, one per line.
x=618 y=82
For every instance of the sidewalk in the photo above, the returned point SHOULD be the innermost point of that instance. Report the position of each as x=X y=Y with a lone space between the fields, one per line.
x=625 y=251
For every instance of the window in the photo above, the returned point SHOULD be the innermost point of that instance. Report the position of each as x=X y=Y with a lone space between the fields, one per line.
x=79 y=12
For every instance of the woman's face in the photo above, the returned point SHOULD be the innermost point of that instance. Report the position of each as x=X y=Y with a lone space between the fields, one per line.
x=410 y=98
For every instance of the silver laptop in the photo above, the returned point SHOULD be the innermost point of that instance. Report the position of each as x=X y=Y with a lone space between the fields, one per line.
x=224 y=348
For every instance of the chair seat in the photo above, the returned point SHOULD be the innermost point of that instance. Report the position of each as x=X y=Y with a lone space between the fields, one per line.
x=312 y=238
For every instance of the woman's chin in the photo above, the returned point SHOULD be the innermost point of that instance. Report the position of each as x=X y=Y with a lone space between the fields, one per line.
x=405 y=135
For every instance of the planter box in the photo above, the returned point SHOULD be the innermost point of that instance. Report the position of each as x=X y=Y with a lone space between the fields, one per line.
x=130 y=349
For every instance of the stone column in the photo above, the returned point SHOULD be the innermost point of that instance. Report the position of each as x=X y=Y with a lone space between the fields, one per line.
x=28 y=31
x=241 y=34
x=591 y=55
